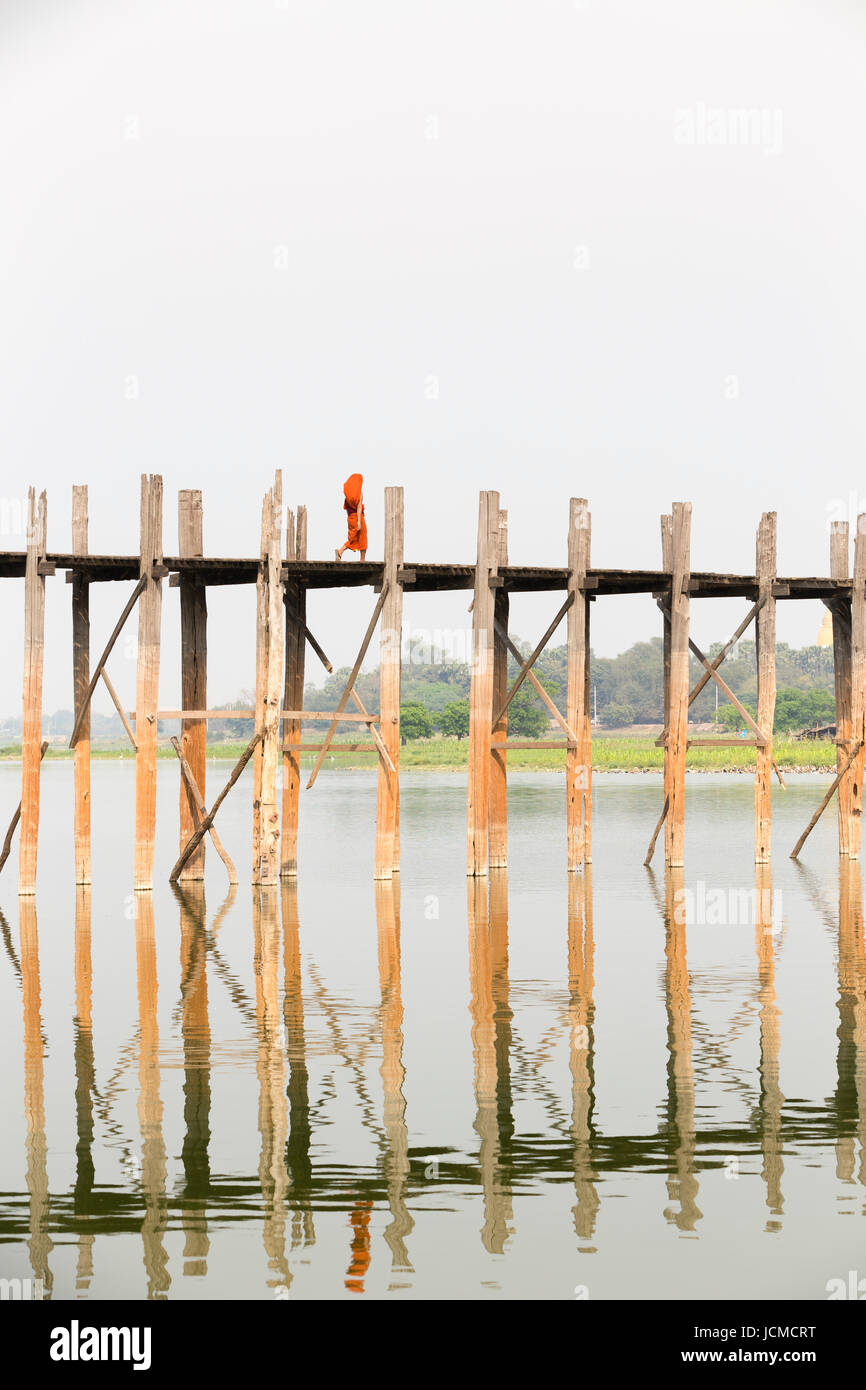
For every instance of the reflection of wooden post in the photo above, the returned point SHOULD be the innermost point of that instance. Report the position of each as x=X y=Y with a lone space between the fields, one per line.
x=496 y=1195
x=298 y=1090
x=273 y=1116
x=851 y=1056
x=765 y=642
x=84 y=1086
x=678 y=684
x=839 y=569
x=581 y=956
x=153 y=1166
x=387 y=859
x=498 y=767
x=578 y=761
x=193 y=674
x=396 y=1160
x=40 y=1243
x=667 y=534
x=858 y=684
x=481 y=685
x=771 y=1099
x=293 y=695
x=681 y=1081
x=147 y=684
x=80 y=683
x=195 y=1028
x=31 y=726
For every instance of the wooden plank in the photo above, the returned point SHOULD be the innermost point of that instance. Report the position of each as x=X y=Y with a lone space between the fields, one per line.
x=353 y=676
x=94 y=679
x=839 y=569
x=765 y=639
x=31 y=727
x=200 y=811
x=498 y=810
x=678 y=718
x=295 y=599
x=13 y=824
x=208 y=820
x=481 y=687
x=387 y=856
x=530 y=661
x=532 y=743
x=147 y=680
x=261 y=678
x=118 y=706
x=304 y=715
x=578 y=723
x=826 y=801
x=193 y=675
x=80 y=682
x=274 y=679
x=858 y=684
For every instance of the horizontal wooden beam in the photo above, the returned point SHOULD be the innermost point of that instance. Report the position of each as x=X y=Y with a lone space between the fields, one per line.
x=300 y=714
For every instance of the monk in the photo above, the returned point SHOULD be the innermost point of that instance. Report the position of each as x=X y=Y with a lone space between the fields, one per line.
x=354 y=508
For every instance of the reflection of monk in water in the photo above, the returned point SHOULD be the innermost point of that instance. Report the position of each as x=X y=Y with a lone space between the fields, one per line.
x=360 y=1261
x=354 y=508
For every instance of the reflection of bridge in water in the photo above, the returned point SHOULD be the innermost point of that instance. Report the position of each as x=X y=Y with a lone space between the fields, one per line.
x=291 y=1187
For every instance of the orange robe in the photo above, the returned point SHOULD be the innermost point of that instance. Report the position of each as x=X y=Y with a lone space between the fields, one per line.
x=354 y=509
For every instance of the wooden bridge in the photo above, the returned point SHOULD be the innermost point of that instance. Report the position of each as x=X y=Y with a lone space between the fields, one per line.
x=282 y=574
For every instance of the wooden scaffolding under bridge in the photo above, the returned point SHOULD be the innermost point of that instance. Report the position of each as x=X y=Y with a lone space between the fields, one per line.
x=282 y=575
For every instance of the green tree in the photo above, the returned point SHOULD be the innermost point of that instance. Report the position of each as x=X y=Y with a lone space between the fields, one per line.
x=526 y=717
x=617 y=715
x=453 y=719
x=415 y=721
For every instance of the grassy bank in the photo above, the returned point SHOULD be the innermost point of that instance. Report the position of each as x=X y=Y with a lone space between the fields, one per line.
x=449 y=754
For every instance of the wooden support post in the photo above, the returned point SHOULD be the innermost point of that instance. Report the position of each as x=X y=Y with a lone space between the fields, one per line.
x=578 y=763
x=261 y=678
x=481 y=686
x=678 y=686
x=193 y=673
x=387 y=860
x=840 y=569
x=31 y=728
x=498 y=766
x=271 y=676
x=80 y=683
x=858 y=685
x=293 y=696
x=765 y=643
x=147 y=682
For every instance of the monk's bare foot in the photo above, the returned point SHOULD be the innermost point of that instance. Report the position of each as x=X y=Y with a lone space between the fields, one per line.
x=363 y=554
x=339 y=554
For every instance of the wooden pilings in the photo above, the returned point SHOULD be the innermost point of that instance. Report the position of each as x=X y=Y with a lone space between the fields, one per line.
x=578 y=764
x=481 y=685
x=387 y=860
x=193 y=675
x=841 y=615
x=31 y=727
x=80 y=683
x=147 y=682
x=858 y=685
x=293 y=693
x=765 y=646
x=270 y=678
x=678 y=686
x=498 y=810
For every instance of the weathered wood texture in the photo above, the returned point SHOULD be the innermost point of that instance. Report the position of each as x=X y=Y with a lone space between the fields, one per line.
x=147 y=682
x=840 y=569
x=858 y=685
x=498 y=831
x=266 y=868
x=80 y=682
x=31 y=728
x=193 y=674
x=387 y=855
x=765 y=641
x=293 y=693
x=481 y=687
x=678 y=686
x=578 y=765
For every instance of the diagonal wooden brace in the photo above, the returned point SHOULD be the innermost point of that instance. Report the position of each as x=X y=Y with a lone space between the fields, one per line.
x=201 y=810
x=353 y=676
x=118 y=628
x=717 y=661
x=358 y=702
x=13 y=824
x=518 y=656
x=828 y=795
x=196 y=838
x=530 y=661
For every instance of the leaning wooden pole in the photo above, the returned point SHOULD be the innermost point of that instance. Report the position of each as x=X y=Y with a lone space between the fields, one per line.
x=858 y=684
x=678 y=686
x=293 y=694
x=481 y=686
x=765 y=643
x=147 y=681
x=841 y=613
x=31 y=727
x=387 y=859
x=193 y=674
x=80 y=684
x=578 y=762
x=498 y=769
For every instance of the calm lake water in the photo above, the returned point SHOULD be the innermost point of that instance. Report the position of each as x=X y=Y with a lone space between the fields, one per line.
x=545 y=1087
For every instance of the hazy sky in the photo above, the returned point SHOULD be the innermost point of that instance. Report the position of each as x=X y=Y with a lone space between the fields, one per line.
x=540 y=247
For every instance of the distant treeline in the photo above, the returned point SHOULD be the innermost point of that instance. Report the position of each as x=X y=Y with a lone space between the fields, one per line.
x=626 y=689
